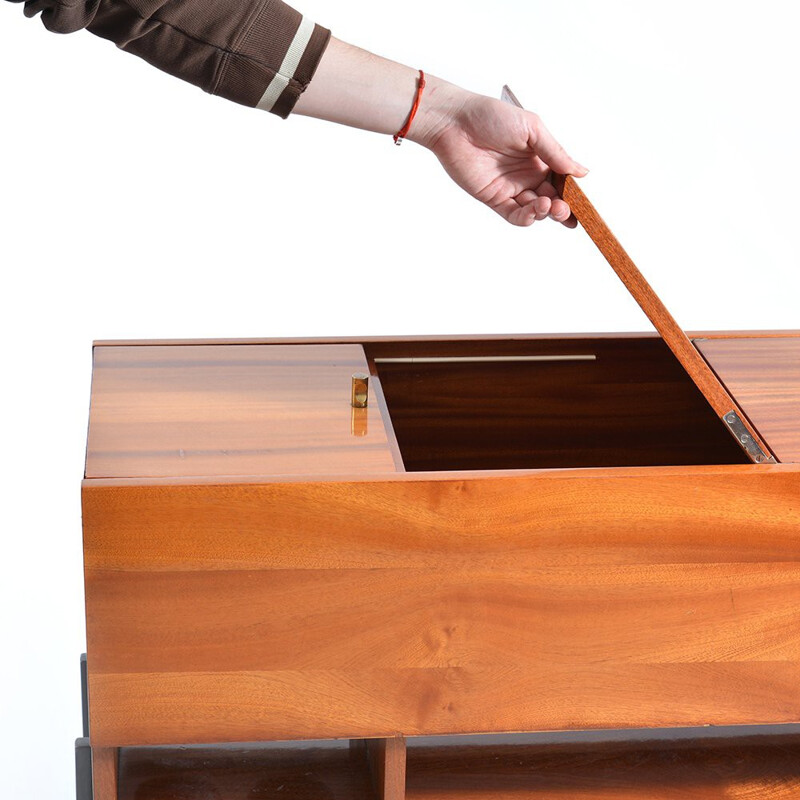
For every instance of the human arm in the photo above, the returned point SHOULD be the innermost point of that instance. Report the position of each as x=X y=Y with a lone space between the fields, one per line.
x=499 y=154
x=260 y=53
x=265 y=54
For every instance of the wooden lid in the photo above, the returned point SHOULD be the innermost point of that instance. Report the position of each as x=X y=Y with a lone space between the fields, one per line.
x=223 y=410
x=698 y=370
x=718 y=397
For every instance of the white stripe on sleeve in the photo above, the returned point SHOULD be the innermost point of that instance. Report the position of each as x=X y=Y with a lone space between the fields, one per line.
x=289 y=65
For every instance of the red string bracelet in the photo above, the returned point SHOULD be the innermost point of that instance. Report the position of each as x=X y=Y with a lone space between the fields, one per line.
x=403 y=132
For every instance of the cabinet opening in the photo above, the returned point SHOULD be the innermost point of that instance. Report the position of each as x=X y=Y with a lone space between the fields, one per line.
x=555 y=403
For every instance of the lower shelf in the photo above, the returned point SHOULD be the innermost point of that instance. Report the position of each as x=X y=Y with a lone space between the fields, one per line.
x=291 y=771
x=762 y=767
x=654 y=770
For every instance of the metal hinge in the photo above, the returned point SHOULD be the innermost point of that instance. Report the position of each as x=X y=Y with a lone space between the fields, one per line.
x=745 y=440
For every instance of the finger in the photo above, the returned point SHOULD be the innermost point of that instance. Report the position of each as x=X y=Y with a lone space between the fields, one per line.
x=525 y=197
x=550 y=151
x=559 y=210
x=546 y=189
x=541 y=205
x=572 y=222
x=513 y=212
x=524 y=216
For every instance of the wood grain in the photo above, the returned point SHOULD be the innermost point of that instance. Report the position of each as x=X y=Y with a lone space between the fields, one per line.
x=151 y=708
x=603 y=598
x=284 y=620
x=561 y=518
x=244 y=410
x=697 y=369
x=105 y=772
x=764 y=376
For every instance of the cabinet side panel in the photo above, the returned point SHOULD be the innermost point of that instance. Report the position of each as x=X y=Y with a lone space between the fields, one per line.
x=301 y=610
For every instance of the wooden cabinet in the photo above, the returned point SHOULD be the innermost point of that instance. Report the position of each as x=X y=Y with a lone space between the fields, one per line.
x=522 y=534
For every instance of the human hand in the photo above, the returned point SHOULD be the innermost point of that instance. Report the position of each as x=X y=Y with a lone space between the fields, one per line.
x=500 y=154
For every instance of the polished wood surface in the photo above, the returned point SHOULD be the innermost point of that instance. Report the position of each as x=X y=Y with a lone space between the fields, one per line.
x=747 y=768
x=238 y=410
x=716 y=394
x=601 y=403
x=764 y=375
x=590 y=598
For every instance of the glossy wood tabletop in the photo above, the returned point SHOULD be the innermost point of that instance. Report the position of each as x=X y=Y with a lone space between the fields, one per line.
x=177 y=411
x=764 y=375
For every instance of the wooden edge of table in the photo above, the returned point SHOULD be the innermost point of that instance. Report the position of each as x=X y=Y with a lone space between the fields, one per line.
x=427 y=477
x=490 y=337
x=386 y=417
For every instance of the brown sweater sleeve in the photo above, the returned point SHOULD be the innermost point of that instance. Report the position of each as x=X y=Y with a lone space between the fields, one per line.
x=256 y=52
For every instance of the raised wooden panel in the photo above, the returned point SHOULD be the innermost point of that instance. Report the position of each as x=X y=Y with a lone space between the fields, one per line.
x=237 y=410
x=764 y=376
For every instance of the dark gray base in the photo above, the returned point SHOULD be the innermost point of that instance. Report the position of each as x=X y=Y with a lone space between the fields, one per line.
x=83 y=770
x=83 y=752
x=85 y=695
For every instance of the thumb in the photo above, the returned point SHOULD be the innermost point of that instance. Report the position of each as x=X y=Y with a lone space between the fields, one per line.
x=541 y=141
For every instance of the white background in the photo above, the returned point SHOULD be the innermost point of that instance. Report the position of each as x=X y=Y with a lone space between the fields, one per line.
x=134 y=205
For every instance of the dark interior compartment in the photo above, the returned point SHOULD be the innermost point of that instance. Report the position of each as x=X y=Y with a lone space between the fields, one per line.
x=555 y=403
